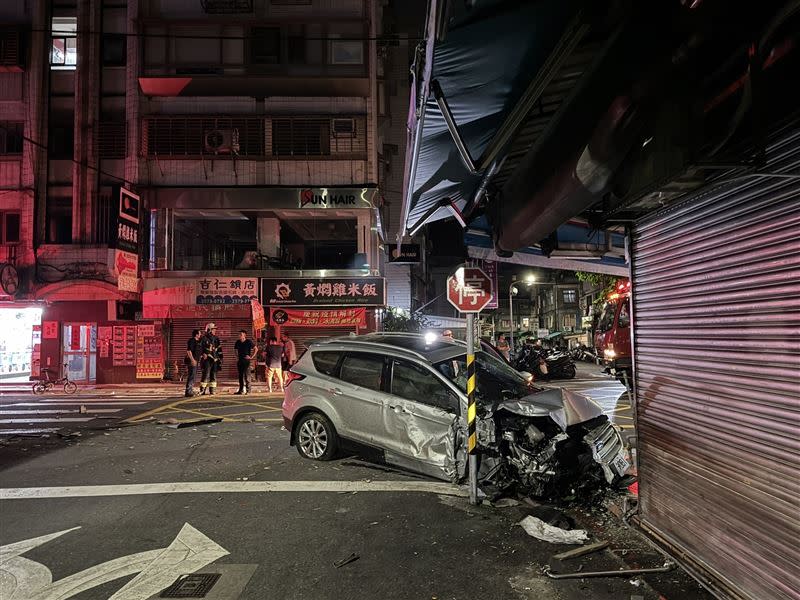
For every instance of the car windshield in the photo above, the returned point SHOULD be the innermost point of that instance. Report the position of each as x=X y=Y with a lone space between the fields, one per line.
x=496 y=379
x=606 y=321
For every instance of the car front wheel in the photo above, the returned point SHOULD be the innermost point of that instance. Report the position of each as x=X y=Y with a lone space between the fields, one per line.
x=316 y=438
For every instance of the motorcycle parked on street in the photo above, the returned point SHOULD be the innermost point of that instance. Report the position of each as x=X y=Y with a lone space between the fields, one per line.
x=545 y=365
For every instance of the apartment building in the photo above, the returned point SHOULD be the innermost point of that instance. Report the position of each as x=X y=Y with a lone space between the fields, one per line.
x=173 y=162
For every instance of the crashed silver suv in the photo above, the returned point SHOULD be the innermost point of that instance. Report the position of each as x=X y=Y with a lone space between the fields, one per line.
x=403 y=398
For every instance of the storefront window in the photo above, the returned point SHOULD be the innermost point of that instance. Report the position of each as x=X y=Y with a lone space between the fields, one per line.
x=19 y=326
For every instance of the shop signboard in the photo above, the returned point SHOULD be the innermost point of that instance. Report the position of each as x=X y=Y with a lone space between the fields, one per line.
x=226 y=290
x=408 y=254
x=259 y=320
x=197 y=311
x=149 y=351
x=125 y=240
x=323 y=292
x=50 y=330
x=335 y=198
x=288 y=317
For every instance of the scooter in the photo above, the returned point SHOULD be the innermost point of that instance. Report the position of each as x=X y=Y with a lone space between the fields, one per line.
x=545 y=366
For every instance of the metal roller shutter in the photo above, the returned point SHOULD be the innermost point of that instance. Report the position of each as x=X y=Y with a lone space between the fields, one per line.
x=716 y=307
x=227 y=332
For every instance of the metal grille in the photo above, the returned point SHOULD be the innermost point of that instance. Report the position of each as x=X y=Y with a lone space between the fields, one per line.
x=172 y=137
x=301 y=137
x=315 y=136
x=196 y=585
x=716 y=301
x=111 y=139
x=10 y=46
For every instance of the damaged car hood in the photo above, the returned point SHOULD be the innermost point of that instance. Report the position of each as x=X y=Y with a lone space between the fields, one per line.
x=565 y=407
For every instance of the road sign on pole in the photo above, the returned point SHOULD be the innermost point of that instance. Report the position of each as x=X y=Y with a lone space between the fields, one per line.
x=469 y=289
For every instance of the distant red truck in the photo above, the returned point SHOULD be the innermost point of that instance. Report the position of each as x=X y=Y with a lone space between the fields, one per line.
x=612 y=336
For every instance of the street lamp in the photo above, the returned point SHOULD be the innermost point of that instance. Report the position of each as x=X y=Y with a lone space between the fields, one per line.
x=512 y=291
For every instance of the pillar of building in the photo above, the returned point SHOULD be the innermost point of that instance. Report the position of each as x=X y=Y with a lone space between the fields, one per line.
x=87 y=99
x=269 y=236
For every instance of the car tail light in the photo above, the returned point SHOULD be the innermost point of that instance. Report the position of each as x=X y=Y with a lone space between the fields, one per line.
x=292 y=376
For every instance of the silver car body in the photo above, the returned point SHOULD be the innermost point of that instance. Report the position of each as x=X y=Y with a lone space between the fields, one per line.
x=416 y=435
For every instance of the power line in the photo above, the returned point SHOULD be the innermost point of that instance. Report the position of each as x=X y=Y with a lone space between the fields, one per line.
x=77 y=162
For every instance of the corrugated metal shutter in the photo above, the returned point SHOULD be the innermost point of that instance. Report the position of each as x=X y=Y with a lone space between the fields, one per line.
x=227 y=332
x=716 y=295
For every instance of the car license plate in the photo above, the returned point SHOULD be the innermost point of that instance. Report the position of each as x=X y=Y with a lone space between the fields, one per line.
x=620 y=464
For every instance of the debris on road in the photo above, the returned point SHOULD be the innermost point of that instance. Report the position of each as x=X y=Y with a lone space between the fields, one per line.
x=557 y=561
x=548 y=533
x=505 y=503
x=82 y=409
x=582 y=551
x=345 y=561
x=183 y=424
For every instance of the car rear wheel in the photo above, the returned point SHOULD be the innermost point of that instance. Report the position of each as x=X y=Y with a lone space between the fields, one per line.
x=316 y=438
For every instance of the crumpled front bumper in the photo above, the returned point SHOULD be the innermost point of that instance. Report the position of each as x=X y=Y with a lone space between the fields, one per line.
x=608 y=450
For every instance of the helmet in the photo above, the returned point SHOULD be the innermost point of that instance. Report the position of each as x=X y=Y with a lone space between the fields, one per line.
x=210 y=326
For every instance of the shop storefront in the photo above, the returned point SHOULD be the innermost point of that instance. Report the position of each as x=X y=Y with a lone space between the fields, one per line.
x=307 y=308
x=20 y=336
x=185 y=304
x=88 y=332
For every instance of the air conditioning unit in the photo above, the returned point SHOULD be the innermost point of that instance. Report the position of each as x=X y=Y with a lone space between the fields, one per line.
x=221 y=141
x=344 y=128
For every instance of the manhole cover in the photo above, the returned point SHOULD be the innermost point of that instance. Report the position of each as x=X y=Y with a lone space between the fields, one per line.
x=191 y=586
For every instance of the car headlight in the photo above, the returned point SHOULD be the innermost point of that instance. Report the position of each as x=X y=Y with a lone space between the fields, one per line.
x=609 y=353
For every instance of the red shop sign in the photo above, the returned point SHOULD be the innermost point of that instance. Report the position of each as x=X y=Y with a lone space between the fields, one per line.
x=343 y=317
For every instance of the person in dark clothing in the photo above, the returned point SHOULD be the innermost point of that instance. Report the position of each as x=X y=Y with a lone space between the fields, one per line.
x=245 y=352
x=274 y=358
x=211 y=360
x=194 y=349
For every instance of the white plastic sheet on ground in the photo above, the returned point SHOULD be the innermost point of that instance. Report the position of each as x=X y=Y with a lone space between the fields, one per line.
x=548 y=533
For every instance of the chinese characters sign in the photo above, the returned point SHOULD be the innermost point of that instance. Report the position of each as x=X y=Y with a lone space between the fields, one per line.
x=469 y=289
x=226 y=290
x=124 y=346
x=125 y=240
x=333 y=291
x=352 y=317
x=149 y=350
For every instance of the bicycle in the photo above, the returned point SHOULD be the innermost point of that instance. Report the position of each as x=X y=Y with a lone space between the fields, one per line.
x=48 y=383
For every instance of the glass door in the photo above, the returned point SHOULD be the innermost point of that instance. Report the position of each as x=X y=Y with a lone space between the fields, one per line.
x=79 y=348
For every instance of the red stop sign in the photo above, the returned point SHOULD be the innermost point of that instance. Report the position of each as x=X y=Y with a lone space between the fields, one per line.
x=469 y=289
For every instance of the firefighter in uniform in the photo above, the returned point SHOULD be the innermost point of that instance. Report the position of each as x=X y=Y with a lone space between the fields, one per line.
x=211 y=360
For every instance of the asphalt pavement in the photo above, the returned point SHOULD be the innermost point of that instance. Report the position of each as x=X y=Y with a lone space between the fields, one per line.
x=131 y=506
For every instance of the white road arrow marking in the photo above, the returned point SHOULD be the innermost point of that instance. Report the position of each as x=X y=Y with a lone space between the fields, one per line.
x=24 y=579
x=21 y=578
x=190 y=552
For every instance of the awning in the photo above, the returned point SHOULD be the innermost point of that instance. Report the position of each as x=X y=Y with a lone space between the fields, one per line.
x=483 y=68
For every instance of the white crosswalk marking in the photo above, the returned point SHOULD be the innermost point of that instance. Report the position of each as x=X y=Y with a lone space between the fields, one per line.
x=31 y=431
x=58 y=411
x=46 y=420
x=49 y=404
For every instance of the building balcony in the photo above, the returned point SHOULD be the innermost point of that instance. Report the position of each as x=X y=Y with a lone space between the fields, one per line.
x=214 y=150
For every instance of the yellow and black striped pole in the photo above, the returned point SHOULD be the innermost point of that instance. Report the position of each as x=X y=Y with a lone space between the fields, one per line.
x=472 y=436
